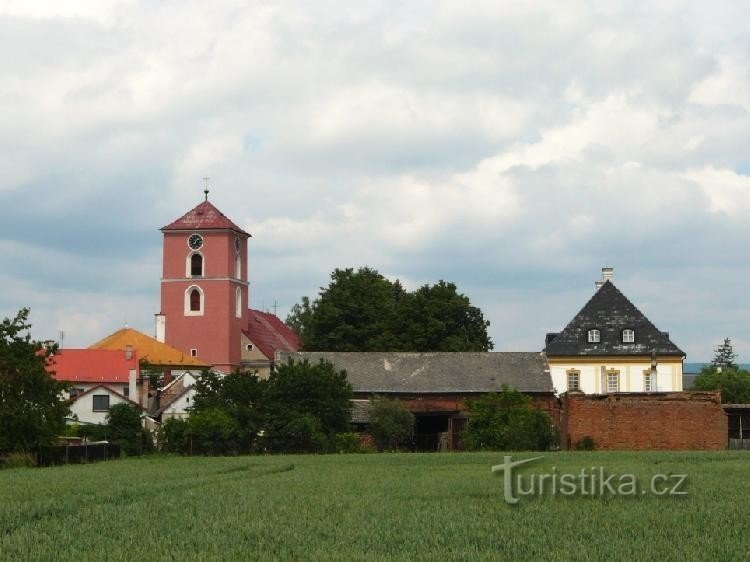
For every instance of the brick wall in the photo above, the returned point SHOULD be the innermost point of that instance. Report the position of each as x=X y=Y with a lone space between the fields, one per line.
x=679 y=420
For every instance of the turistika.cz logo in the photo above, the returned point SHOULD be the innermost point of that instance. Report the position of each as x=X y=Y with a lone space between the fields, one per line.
x=590 y=481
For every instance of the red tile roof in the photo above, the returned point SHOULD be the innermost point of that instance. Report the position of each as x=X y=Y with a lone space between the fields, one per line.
x=203 y=217
x=92 y=365
x=270 y=334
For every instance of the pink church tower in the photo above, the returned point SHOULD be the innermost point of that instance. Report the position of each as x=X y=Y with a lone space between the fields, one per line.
x=204 y=287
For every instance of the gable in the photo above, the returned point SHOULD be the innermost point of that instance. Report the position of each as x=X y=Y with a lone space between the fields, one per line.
x=610 y=312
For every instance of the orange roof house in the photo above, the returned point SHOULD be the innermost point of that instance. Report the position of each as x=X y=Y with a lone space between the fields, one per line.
x=149 y=350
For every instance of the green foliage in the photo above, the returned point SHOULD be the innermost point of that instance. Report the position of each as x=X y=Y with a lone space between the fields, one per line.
x=585 y=444
x=93 y=432
x=212 y=431
x=390 y=423
x=724 y=356
x=347 y=443
x=124 y=425
x=304 y=406
x=174 y=436
x=18 y=460
x=506 y=421
x=363 y=311
x=733 y=382
x=31 y=411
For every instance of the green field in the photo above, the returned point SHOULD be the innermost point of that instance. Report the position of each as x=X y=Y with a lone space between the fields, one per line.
x=368 y=507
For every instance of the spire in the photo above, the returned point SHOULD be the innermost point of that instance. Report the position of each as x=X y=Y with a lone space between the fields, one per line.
x=205 y=191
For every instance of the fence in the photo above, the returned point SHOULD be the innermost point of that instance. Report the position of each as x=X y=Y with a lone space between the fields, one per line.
x=739 y=444
x=76 y=454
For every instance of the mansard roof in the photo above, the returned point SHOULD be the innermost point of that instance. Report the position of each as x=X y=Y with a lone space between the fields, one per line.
x=204 y=217
x=610 y=312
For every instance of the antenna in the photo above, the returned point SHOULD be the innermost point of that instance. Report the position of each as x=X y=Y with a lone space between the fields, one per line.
x=62 y=338
x=205 y=191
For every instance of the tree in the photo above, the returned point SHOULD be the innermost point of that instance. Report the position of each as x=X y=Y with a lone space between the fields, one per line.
x=212 y=431
x=32 y=412
x=124 y=428
x=506 y=421
x=363 y=311
x=724 y=356
x=733 y=382
x=239 y=395
x=305 y=405
x=390 y=423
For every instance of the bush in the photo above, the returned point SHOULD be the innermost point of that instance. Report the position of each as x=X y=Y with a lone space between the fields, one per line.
x=347 y=443
x=585 y=444
x=174 y=436
x=93 y=432
x=124 y=425
x=390 y=423
x=506 y=421
x=211 y=432
x=18 y=460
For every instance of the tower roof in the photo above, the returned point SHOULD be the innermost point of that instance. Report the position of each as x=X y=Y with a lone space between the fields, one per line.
x=204 y=217
x=148 y=349
x=610 y=312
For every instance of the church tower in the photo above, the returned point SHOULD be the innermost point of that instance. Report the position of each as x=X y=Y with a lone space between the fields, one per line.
x=204 y=287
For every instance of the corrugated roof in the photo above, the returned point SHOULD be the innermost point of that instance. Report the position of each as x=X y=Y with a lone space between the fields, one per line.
x=92 y=365
x=269 y=334
x=610 y=312
x=204 y=217
x=149 y=349
x=394 y=372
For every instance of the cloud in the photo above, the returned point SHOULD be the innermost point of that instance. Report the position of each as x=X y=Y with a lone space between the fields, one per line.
x=511 y=148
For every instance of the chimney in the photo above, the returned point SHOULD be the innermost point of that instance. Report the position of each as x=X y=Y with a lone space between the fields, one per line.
x=144 y=393
x=132 y=389
x=598 y=284
x=608 y=274
x=161 y=327
x=128 y=352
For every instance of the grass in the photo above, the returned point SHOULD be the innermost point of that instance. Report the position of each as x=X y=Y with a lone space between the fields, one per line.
x=368 y=507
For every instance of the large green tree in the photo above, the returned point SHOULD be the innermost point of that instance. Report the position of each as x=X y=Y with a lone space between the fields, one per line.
x=363 y=311
x=305 y=405
x=32 y=412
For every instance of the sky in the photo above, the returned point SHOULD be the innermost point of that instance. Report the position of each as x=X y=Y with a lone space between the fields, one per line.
x=509 y=148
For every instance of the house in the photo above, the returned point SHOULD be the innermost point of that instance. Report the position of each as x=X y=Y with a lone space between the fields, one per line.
x=610 y=346
x=205 y=295
x=435 y=386
x=265 y=336
x=99 y=379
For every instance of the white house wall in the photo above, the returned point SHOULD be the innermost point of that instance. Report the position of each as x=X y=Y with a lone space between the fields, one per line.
x=668 y=376
x=83 y=408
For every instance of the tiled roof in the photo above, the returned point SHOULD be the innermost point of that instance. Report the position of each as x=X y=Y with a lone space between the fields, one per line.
x=92 y=365
x=204 y=217
x=395 y=372
x=269 y=334
x=610 y=312
x=149 y=350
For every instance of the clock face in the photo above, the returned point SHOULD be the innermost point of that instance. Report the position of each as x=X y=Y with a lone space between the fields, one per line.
x=195 y=241
x=237 y=244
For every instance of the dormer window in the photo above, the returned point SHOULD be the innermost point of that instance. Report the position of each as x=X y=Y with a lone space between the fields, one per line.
x=595 y=336
x=628 y=336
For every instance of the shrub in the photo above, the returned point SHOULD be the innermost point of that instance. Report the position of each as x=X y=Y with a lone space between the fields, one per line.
x=390 y=423
x=211 y=432
x=347 y=443
x=124 y=425
x=585 y=444
x=506 y=421
x=174 y=436
x=93 y=432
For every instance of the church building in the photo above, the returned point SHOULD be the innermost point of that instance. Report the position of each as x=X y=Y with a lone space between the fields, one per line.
x=205 y=293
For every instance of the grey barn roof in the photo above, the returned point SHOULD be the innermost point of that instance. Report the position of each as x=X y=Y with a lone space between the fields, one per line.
x=610 y=312
x=398 y=372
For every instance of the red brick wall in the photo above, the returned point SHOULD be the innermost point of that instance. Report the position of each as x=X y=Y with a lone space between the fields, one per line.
x=679 y=420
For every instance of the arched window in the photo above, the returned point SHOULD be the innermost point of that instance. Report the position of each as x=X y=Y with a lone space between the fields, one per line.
x=238 y=302
x=195 y=300
x=194 y=303
x=196 y=265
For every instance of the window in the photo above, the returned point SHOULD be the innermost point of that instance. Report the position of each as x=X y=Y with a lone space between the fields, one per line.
x=193 y=352
x=249 y=347
x=194 y=301
x=238 y=302
x=648 y=382
x=196 y=265
x=100 y=403
x=613 y=381
x=595 y=336
x=574 y=380
x=628 y=336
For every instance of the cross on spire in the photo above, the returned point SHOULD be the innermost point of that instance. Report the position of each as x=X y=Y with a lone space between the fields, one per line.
x=205 y=191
